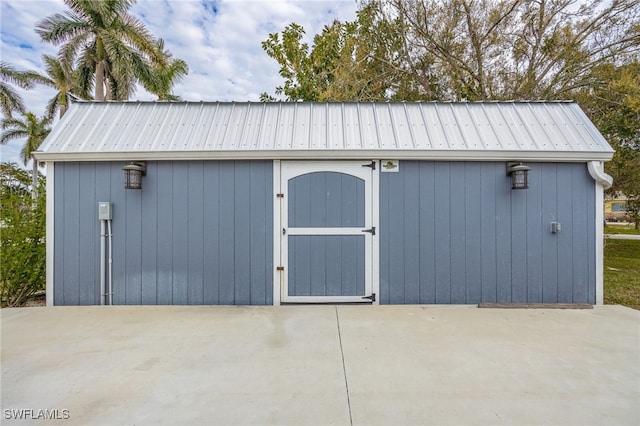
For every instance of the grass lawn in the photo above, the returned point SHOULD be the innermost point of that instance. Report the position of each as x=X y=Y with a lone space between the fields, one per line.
x=622 y=272
x=621 y=229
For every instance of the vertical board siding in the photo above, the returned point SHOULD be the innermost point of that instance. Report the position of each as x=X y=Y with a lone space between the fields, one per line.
x=149 y=228
x=199 y=232
x=476 y=240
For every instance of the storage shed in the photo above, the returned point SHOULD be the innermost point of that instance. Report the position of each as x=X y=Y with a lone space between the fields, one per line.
x=270 y=203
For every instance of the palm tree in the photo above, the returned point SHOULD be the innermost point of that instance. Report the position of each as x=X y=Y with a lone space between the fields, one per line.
x=10 y=100
x=166 y=73
x=61 y=76
x=111 y=47
x=32 y=128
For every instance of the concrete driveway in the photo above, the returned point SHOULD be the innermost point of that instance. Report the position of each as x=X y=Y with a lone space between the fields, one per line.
x=320 y=365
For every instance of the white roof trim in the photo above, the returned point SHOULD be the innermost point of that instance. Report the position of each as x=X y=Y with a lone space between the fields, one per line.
x=321 y=155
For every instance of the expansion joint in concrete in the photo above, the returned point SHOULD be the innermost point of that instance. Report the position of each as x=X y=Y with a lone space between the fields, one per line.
x=344 y=368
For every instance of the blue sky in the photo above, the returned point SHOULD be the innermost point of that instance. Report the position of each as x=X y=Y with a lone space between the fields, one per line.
x=220 y=40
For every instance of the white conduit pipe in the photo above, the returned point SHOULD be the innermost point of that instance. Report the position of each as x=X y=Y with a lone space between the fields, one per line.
x=110 y=234
x=102 y=261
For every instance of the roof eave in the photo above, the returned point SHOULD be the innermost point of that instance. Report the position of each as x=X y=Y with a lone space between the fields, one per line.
x=440 y=155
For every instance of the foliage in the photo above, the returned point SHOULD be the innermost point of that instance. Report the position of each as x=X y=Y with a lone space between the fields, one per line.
x=61 y=76
x=166 y=72
x=22 y=236
x=633 y=211
x=458 y=50
x=34 y=129
x=516 y=49
x=613 y=104
x=622 y=272
x=350 y=61
x=10 y=100
x=112 y=48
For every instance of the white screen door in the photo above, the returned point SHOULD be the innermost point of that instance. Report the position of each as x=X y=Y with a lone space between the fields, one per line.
x=327 y=231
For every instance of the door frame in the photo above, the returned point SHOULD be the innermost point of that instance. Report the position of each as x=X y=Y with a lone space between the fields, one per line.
x=280 y=217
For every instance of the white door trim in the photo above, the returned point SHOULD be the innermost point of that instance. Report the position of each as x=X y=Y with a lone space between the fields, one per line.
x=285 y=170
x=278 y=276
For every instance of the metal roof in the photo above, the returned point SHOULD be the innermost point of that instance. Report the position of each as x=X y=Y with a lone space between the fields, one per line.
x=534 y=131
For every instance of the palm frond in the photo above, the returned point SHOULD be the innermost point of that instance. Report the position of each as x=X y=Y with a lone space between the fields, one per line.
x=10 y=100
x=53 y=105
x=12 y=134
x=10 y=75
x=61 y=28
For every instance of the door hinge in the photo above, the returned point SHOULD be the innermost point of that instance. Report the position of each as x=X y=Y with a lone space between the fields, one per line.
x=372 y=231
x=279 y=268
x=280 y=195
x=372 y=165
x=372 y=297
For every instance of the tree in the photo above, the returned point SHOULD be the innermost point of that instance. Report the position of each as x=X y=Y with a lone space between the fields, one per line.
x=613 y=104
x=61 y=76
x=10 y=100
x=465 y=49
x=22 y=241
x=112 y=48
x=35 y=131
x=165 y=74
x=349 y=61
x=514 y=49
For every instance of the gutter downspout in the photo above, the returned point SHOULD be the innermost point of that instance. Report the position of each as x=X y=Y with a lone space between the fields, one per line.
x=596 y=170
x=603 y=181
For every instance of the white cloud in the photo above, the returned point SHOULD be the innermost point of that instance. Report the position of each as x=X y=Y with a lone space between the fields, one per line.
x=219 y=40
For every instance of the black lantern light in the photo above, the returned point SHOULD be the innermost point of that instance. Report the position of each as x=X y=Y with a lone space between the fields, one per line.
x=519 y=175
x=133 y=173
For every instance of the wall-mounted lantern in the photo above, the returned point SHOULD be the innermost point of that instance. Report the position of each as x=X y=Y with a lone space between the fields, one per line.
x=519 y=175
x=133 y=173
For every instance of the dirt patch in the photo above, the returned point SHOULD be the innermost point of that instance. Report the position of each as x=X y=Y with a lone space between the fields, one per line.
x=39 y=299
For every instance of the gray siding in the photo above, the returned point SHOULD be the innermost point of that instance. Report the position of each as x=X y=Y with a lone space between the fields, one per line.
x=199 y=232
x=454 y=232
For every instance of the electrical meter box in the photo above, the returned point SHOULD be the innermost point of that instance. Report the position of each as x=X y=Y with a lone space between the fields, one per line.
x=105 y=210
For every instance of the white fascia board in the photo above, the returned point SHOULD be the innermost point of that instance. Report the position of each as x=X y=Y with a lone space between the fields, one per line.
x=438 y=155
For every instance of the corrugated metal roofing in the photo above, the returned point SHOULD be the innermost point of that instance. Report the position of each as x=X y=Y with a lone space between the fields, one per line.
x=543 y=131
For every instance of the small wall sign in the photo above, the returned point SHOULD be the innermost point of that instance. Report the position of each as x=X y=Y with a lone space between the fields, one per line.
x=389 y=166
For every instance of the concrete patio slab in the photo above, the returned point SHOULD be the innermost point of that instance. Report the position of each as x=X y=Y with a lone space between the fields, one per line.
x=339 y=365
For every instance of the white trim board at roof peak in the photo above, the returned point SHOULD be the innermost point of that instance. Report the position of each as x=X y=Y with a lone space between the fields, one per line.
x=531 y=131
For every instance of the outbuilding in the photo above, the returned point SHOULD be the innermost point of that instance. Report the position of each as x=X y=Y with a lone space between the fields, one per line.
x=154 y=203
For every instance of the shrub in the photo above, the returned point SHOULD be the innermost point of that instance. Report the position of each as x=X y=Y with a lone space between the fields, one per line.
x=22 y=236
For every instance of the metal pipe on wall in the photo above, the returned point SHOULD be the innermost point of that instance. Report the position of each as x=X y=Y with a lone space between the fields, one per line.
x=103 y=240
x=110 y=236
